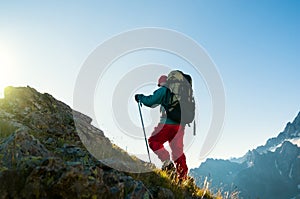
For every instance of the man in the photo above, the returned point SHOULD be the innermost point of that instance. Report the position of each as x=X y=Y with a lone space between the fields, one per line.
x=166 y=130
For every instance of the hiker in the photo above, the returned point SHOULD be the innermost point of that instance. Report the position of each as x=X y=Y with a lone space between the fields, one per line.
x=166 y=130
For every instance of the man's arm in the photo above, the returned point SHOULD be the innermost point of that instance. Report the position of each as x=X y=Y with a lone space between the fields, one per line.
x=155 y=99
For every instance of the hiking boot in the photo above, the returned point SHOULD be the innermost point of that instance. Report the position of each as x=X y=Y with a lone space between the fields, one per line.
x=167 y=165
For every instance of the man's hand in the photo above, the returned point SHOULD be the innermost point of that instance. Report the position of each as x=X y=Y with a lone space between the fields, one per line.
x=137 y=97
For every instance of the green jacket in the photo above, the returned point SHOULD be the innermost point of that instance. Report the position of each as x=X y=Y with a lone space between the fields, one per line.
x=156 y=99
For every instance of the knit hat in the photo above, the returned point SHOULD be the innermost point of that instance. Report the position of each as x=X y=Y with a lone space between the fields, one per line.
x=162 y=80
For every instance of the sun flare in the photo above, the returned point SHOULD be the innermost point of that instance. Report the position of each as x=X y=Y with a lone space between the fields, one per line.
x=6 y=70
x=6 y=79
x=3 y=82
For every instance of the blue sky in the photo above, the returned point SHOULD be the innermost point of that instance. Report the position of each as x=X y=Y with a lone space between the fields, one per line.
x=254 y=44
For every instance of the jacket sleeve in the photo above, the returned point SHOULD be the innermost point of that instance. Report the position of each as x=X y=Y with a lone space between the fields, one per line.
x=155 y=99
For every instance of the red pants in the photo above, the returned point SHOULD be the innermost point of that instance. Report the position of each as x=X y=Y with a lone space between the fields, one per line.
x=174 y=135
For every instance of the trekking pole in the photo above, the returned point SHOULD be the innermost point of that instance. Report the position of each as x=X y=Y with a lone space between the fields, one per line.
x=194 y=128
x=139 y=104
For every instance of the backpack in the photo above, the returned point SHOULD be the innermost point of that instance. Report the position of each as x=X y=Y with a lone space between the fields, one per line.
x=179 y=102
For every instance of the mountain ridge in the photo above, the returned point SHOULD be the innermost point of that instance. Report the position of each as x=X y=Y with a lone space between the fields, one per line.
x=292 y=130
x=290 y=133
x=268 y=171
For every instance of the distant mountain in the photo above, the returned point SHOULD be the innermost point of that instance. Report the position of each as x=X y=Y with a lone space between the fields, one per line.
x=269 y=171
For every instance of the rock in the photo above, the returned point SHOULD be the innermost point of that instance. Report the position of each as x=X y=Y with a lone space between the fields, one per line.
x=19 y=146
x=138 y=190
x=11 y=182
x=164 y=193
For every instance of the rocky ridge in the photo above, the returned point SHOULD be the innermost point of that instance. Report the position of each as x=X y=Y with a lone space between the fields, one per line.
x=291 y=132
x=42 y=154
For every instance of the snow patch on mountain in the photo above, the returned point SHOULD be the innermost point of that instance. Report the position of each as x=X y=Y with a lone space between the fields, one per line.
x=276 y=166
x=295 y=141
x=291 y=170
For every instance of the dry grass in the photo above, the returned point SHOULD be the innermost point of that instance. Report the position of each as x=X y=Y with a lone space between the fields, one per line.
x=6 y=128
x=170 y=181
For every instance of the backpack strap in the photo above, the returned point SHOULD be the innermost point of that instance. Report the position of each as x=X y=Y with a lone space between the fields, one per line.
x=166 y=100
